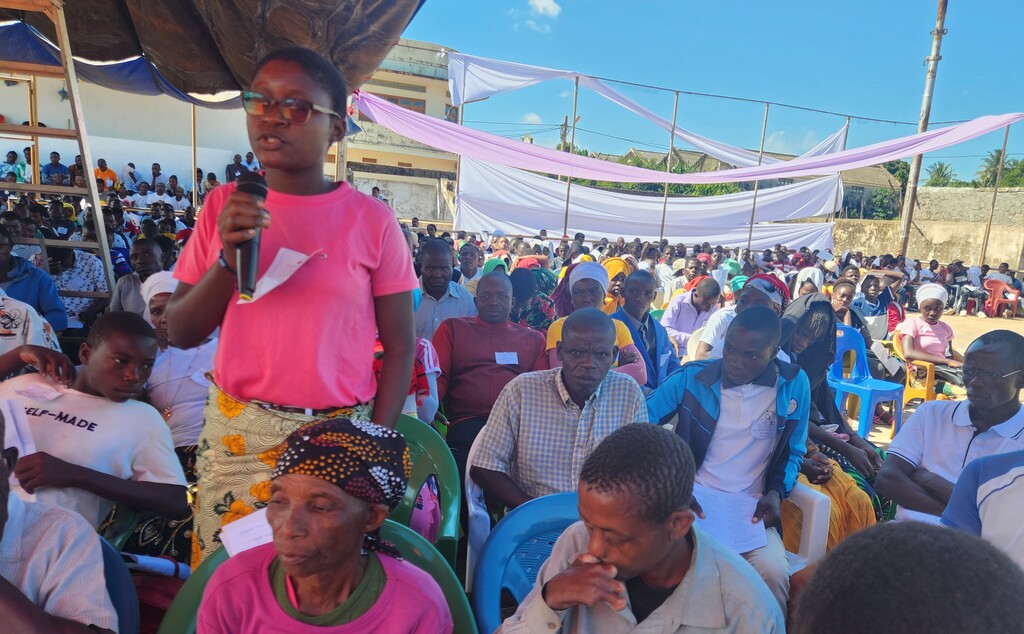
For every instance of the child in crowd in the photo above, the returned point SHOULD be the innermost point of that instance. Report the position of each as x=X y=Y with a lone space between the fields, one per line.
x=302 y=352
x=928 y=338
x=95 y=444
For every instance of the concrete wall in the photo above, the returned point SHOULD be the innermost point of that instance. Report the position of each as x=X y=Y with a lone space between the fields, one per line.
x=949 y=223
x=409 y=196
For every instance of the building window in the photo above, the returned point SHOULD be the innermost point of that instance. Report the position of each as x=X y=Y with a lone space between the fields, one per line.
x=451 y=113
x=395 y=85
x=785 y=181
x=857 y=192
x=401 y=164
x=369 y=160
x=416 y=105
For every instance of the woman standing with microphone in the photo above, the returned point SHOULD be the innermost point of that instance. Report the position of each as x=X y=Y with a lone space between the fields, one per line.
x=302 y=351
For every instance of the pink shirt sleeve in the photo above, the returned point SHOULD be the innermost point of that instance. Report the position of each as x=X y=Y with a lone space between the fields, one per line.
x=394 y=273
x=204 y=246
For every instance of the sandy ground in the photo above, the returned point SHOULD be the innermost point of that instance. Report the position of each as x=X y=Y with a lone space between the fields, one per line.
x=966 y=330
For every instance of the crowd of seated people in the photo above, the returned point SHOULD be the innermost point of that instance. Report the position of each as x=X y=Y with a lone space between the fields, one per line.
x=664 y=384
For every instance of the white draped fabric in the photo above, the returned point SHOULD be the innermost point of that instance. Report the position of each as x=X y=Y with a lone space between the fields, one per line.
x=472 y=78
x=496 y=197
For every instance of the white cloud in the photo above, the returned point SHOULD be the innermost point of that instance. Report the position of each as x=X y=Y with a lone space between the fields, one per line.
x=512 y=13
x=549 y=8
x=532 y=117
x=534 y=26
x=565 y=94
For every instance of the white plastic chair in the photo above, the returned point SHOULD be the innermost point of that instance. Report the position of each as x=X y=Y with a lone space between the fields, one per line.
x=814 y=534
x=479 y=521
x=691 y=344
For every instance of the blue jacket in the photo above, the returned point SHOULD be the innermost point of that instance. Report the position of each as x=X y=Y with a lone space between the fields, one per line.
x=667 y=360
x=695 y=395
x=35 y=287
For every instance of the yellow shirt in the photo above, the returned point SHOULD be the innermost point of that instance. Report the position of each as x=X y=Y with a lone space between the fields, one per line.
x=622 y=336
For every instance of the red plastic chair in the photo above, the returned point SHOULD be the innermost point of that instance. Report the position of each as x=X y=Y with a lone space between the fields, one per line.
x=1000 y=294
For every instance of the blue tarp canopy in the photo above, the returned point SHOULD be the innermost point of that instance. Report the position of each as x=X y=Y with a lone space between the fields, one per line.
x=190 y=48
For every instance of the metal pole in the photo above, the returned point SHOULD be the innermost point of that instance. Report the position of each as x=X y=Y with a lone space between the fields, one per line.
x=668 y=163
x=572 y=146
x=922 y=125
x=760 y=157
x=71 y=78
x=195 y=161
x=839 y=185
x=995 y=191
x=33 y=120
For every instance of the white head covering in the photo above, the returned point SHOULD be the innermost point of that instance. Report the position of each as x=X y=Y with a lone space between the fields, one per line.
x=932 y=291
x=162 y=282
x=589 y=271
x=812 y=274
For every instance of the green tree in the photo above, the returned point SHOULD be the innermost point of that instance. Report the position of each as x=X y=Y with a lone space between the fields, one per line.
x=989 y=168
x=883 y=205
x=940 y=174
x=900 y=173
x=1013 y=174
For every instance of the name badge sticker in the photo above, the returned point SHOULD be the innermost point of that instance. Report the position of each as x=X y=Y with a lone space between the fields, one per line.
x=506 y=358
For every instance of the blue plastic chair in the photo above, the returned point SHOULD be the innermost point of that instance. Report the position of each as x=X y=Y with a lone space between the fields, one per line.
x=514 y=552
x=869 y=390
x=121 y=589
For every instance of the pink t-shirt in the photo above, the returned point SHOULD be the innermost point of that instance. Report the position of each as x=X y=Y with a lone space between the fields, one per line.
x=239 y=600
x=309 y=342
x=928 y=338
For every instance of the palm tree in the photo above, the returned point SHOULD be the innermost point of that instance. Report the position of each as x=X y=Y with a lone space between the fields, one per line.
x=989 y=168
x=940 y=174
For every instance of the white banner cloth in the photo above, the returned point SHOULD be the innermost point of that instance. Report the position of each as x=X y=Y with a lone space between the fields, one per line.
x=495 y=197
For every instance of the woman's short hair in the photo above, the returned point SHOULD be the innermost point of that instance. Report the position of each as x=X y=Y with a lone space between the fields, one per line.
x=318 y=68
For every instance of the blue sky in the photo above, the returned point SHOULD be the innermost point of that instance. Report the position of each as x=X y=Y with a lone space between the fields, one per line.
x=862 y=58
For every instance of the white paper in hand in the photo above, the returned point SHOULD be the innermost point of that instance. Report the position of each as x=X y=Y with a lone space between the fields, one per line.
x=249 y=532
x=285 y=264
x=727 y=519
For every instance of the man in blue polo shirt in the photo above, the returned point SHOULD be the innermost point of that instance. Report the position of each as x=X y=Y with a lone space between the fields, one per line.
x=745 y=418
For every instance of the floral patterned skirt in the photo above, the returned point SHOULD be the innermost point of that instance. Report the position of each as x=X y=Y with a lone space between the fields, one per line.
x=237 y=452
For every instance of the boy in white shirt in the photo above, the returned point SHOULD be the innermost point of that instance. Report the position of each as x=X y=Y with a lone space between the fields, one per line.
x=95 y=444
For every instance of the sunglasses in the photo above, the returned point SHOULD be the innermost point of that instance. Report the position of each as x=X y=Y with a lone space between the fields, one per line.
x=10 y=458
x=294 y=111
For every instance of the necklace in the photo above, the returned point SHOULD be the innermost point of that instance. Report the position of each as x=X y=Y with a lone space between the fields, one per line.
x=168 y=409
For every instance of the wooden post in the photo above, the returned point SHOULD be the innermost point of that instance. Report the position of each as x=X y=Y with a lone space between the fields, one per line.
x=572 y=146
x=995 y=192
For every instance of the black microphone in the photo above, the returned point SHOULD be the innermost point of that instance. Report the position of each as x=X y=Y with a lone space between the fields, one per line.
x=247 y=260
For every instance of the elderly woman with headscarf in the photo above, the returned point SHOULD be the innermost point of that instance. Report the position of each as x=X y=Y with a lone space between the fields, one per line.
x=586 y=285
x=763 y=289
x=838 y=459
x=178 y=389
x=328 y=570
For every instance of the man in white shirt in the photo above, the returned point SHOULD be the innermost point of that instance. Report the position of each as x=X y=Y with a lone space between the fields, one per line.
x=470 y=261
x=926 y=457
x=251 y=163
x=179 y=202
x=20 y=324
x=442 y=298
x=158 y=196
x=51 y=564
x=95 y=445
x=156 y=176
x=129 y=178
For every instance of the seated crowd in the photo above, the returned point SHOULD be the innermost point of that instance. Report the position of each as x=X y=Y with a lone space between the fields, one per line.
x=683 y=392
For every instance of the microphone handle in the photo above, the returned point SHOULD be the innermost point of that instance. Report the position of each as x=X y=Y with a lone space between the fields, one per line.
x=247 y=265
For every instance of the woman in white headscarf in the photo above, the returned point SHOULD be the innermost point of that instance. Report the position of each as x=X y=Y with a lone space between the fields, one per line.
x=178 y=389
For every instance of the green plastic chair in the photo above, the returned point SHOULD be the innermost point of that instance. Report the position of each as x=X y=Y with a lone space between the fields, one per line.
x=431 y=457
x=182 y=615
x=656 y=314
x=121 y=526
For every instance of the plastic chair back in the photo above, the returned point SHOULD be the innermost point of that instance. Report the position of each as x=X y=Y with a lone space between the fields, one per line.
x=183 y=614
x=514 y=552
x=692 y=343
x=121 y=589
x=431 y=457
x=997 y=297
x=656 y=314
x=123 y=524
x=814 y=531
x=850 y=340
x=419 y=552
x=910 y=392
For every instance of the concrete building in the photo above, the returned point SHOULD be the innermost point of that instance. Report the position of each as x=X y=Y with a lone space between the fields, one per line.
x=416 y=179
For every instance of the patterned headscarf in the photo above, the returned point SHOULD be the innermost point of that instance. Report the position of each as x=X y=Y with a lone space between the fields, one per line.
x=363 y=459
x=773 y=287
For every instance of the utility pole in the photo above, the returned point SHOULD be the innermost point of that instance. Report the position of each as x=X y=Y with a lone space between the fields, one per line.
x=922 y=126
